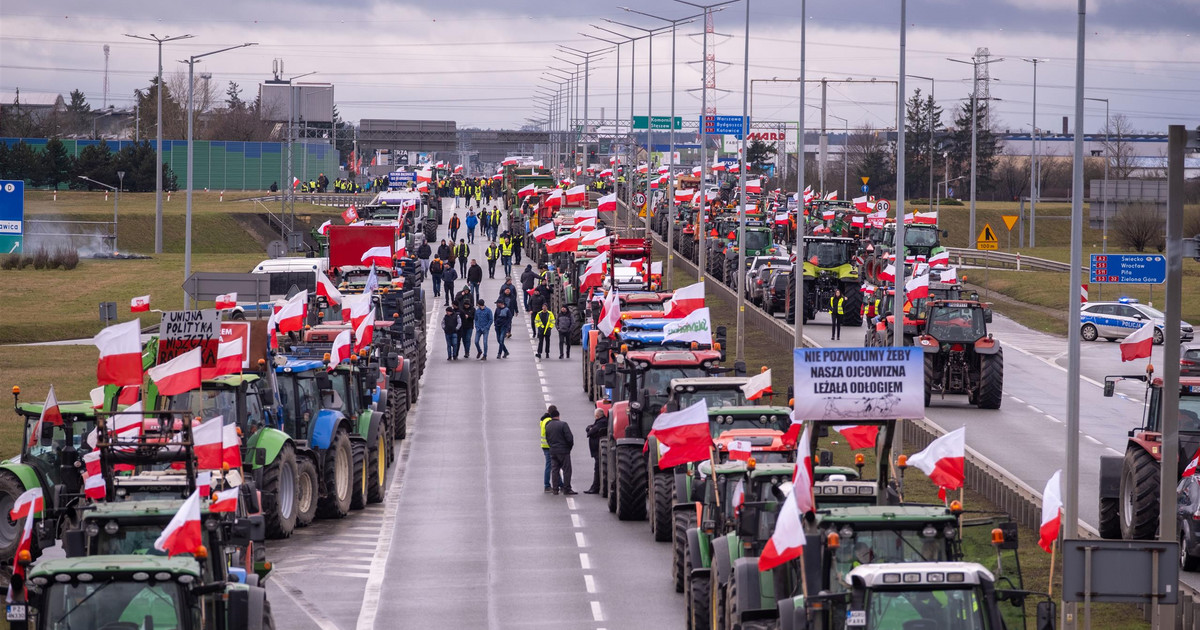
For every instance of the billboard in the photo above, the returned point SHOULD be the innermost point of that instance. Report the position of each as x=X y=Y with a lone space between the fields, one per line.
x=313 y=102
x=877 y=383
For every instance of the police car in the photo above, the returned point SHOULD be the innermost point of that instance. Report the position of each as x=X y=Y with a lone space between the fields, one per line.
x=1117 y=320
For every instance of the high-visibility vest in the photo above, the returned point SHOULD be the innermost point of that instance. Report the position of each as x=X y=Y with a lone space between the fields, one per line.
x=495 y=217
x=492 y=252
x=455 y=223
x=506 y=247
x=543 y=424
x=836 y=303
x=461 y=250
x=544 y=324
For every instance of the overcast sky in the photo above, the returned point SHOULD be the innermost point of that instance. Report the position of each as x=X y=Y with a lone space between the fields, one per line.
x=478 y=62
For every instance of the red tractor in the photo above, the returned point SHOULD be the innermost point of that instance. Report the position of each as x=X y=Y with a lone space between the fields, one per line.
x=961 y=357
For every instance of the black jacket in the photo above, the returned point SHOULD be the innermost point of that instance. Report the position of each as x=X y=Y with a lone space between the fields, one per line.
x=449 y=275
x=435 y=268
x=558 y=436
x=528 y=278
x=564 y=322
x=424 y=251
x=450 y=322
x=444 y=252
x=467 y=315
x=595 y=432
x=475 y=273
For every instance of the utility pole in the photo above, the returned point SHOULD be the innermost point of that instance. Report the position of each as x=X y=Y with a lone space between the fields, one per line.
x=1034 y=174
x=824 y=138
x=975 y=62
x=898 y=247
x=740 y=276
x=801 y=221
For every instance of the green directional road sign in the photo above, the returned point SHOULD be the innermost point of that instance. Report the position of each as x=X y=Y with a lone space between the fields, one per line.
x=661 y=123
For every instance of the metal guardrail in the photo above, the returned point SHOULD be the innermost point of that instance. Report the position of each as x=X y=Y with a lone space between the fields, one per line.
x=1004 y=260
x=318 y=199
x=1015 y=497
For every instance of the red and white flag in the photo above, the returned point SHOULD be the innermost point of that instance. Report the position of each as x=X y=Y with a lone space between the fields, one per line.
x=229 y=360
x=586 y=225
x=606 y=173
x=754 y=186
x=683 y=436
x=24 y=544
x=554 y=199
x=1139 y=344
x=204 y=483
x=684 y=194
x=50 y=413
x=544 y=232
x=340 y=350
x=349 y=215
x=888 y=274
x=91 y=463
x=290 y=317
x=685 y=300
x=610 y=314
x=564 y=243
x=95 y=488
x=364 y=331
x=802 y=479
x=424 y=176
x=1190 y=469
x=593 y=273
x=758 y=385
x=787 y=541
x=576 y=196
x=183 y=533
x=917 y=287
x=124 y=426
x=927 y=218
x=179 y=375
x=326 y=289
x=226 y=301
x=809 y=195
x=324 y=229
x=740 y=450
x=527 y=191
x=859 y=435
x=608 y=203
x=944 y=460
x=863 y=204
x=423 y=187
x=940 y=258
x=458 y=168
x=207 y=442
x=594 y=237
x=949 y=276
x=1051 y=512
x=224 y=501
x=510 y=161
x=360 y=308
x=717 y=165
x=140 y=304
x=739 y=494
x=832 y=196
x=584 y=215
x=380 y=256
x=231 y=446
x=30 y=502
x=120 y=354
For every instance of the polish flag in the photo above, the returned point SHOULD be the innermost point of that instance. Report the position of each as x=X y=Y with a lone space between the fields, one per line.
x=610 y=314
x=584 y=215
x=863 y=204
x=740 y=450
x=787 y=541
x=809 y=195
x=326 y=289
x=858 y=221
x=544 y=232
x=124 y=426
x=593 y=237
x=128 y=396
x=943 y=460
x=31 y=501
x=554 y=199
x=754 y=186
x=684 y=194
x=1051 y=512
x=739 y=494
x=458 y=168
x=224 y=501
x=231 y=446
x=183 y=533
x=498 y=176
x=683 y=436
x=593 y=274
x=782 y=218
x=50 y=411
x=802 y=480
x=364 y=331
x=290 y=317
x=24 y=544
x=423 y=187
x=832 y=196
x=685 y=300
x=424 y=176
x=229 y=360
x=179 y=375
x=696 y=171
x=717 y=165
x=949 y=276
x=608 y=203
x=510 y=161
x=917 y=287
x=401 y=250
x=364 y=305
x=139 y=304
x=606 y=172
x=95 y=488
x=208 y=441
x=295 y=182
x=758 y=385
x=643 y=168
x=380 y=256
x=889 y=274
x=324 y=229
x=576 y=195
x=828 y=215
x=91 y=463
x=587 y=225
x=340 y=350
x=736 y=167
x=940 y=258
x=1139 y=344
x=927 y=218
x=859 y=435
x=564 y=243
x=226 y=301
x=204 y=483
x=527 y=191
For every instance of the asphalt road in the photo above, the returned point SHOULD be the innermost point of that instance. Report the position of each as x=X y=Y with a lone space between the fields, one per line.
x=467 y=537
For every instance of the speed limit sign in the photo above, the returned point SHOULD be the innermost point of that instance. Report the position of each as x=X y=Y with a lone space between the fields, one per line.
x=882 y=205
x=639 y=199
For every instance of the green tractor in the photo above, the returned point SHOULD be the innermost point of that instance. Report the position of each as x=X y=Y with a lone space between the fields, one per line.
x=829 y=266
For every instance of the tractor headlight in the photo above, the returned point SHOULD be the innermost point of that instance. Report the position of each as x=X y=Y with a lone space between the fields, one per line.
x=92 y=530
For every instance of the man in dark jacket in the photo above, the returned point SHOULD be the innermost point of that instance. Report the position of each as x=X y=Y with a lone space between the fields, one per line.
x=536 y=302
x=560 y=440
x=595 y=432
x=474 y=277
x=449 y=275
x=509 y=289
x=466 y=314
x=444 y=252
x=435 y=274
x=502 y=319
x=454 y=225
x=450 y=326
x=563 y=324
x=528 y=281
x=424 y=251
x=483 y=325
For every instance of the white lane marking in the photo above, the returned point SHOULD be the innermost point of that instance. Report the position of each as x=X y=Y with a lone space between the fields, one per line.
x=1051 y=418
x=323 y=622
x=1053 y=364
x=596 y=614
x=545 y=389
x=571 y=504
x=1035 y=409
x=361 y=576
x=575 y=522
x=584 y=561
x=579 y=540
x=590 y=583
x=1017 y=399
x=541 y=380
x=1092 y=439
x=1113 y=451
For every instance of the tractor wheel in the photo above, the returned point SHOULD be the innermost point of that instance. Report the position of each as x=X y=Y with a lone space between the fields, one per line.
x=399 y=416
x=683 y=521
x=991 y=380
x=1139 y=495
x=603 y=452
x=731 y=610
x=660 y=519
x=10 y=531
x=718 y=603
x=631 y=484
x=928 y=378
x=339 y=477
x=852 y=307
x=699 y=598
x=279 y=488
x=307 y=491
x=268 y=622
x=1110 y=519
x=358 y=499
x=377 y=469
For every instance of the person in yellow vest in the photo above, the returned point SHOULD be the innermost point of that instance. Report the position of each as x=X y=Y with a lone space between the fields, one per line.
x=542 y=422
x=543 y=325
x=492 y=253
x=837 y=305
x=494 y=223
x=506 y=254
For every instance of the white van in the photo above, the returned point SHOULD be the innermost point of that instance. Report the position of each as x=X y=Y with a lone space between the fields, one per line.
x=285 y=273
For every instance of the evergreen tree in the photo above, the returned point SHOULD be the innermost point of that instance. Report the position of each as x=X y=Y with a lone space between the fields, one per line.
x=138 y=162
x=919 y=159
x=94 y=161
x=759 y=153
x=958 y=145
x=55 y=164
x=24 y=163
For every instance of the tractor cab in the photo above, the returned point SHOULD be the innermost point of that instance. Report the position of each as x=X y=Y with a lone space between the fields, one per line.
x=828 y=267
x=921 y=239
x=961 y=357
x=50 y=452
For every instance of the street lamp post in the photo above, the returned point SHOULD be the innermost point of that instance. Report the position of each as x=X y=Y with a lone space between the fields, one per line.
x=116 y=204
x=1034 y=179
x=974 y=63
x=587 y=74
x=1107 y=159
x=932 y=123
x=901 y=256
x=187 y=228
x=845 y=164
x=158 y=208
x=632 y=65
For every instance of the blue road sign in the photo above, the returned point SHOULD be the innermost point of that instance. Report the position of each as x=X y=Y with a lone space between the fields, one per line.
x=724 y=125
x=1129 y=268
x=12 y=215
x=865 y=188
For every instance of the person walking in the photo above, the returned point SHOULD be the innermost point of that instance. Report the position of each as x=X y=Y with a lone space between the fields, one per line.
x=424 y=251
x=560 y=441
x=837 y=305
x=502 y=321
x=454 y=225
x=564 y=324
x=466 y=315
x=435 y=274
x=528 y=281
x=536 y=302
x=595 y=432
x=474 y=277
x=542 y=422
x=450 y=325
x=495 y=222
x=483 y=324
x=492 y=254
x=518 y=245
x=462 y=251
x=444 y=252
x=449 y=275
x=472 y=221
x=508 y=293
x=543 y=324
x=506 y=253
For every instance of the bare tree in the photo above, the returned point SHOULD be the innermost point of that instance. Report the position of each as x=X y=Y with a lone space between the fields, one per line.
x=1119 y=149
x=1140 y=226
x=1012 y=175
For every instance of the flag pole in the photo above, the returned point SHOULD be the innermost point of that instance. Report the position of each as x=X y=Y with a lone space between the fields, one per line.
x=1050 y=583
x=712 y=461
x=803 y=576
